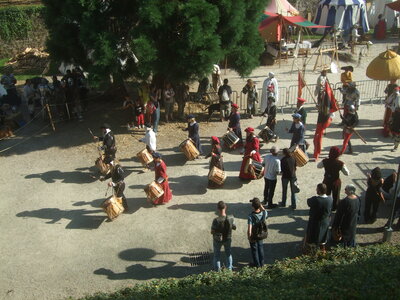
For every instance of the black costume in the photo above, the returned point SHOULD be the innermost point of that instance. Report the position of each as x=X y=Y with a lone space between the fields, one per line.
x=193 y=130
x=271 y=120
x=216 y=161
x=234 y=123
x=372 y=198
x=117 y=176
x=108 y=145
x=318 y=222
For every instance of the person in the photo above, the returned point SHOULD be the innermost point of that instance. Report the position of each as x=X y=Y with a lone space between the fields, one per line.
x=108 y=140
x=297 y=129
x=351 y=96
x=347 y=76
x=150 y=140
x=389 y=100
x=193 y=130
x=319 y=215
x=354 y=34
x=272 y=166
x=270 y=85
x=395 y=121
x=234 y=124
x=252 y=97
x=161 y=178
x=288 y=167
x=224 y=93
x=216 y=77
x=270 y=113
x=320 y=87
x=116 y=173
x=373 y=195
x=155 y=95
x=216 y=159
x=301 y=110
x=221 y=229
x=259 y=214
x=27 y=100
x=380 y=28
x=139 y=113
x=333 y=166
x=8 y=81
x=182 y=96
x=251 y=151
x=346 y=217
x=349 y=121
x=169 y=101
x=129 y=106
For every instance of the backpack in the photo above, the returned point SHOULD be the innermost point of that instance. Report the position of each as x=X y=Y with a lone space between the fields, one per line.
x=225 y=95
x=259 y=230
x=222 y=230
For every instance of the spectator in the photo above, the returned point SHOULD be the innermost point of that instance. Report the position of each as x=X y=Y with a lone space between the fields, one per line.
x=259 y=214
x=288 y=166
x=216 y=77
x=319 y=215
x=182 y=96
x=169 y=94
x=155 y=96
x=224 y=93
x=221 y=229
x=347 y=215
x=373 y=195
x=139 y=113
x=129 y=106
x=252 y=97
x=8 y=81
x=272 y=166
x=27 y=100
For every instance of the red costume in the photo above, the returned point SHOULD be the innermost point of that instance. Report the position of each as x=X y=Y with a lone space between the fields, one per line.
x=252 y=143
x=380 y=29
x=161 y=171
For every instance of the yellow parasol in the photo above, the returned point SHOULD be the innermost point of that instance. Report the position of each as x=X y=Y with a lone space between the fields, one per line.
x=386 y=66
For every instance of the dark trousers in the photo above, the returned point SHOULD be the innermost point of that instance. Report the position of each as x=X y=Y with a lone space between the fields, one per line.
x=370 y=216
x=119 y=192
x=257 y=253
x=334 y=189
x=269 y=190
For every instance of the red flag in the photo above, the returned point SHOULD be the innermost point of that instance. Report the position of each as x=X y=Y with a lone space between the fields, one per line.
x=301 y=85
x=333 y=102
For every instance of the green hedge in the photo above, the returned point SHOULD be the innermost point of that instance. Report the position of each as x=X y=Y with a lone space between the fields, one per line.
x=17 y=21
x=371 y=272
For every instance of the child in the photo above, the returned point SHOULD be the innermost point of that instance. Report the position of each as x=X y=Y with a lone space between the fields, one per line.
x=139 y=112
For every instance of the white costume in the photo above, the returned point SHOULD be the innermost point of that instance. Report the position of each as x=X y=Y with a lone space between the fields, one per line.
x=150 y=139
x=271 y=80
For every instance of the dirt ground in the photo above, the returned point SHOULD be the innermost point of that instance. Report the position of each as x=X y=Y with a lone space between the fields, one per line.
x=56 y=243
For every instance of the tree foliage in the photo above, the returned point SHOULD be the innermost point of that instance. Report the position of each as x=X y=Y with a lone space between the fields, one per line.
x=178 y=40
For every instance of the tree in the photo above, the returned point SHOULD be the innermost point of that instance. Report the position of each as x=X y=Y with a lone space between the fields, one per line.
x=178 y=40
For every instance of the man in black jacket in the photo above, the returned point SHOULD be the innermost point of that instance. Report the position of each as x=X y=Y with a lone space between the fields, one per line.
x=288 y=167
x=108 y=140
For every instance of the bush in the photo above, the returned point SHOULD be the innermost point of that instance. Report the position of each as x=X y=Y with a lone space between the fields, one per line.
x=371 y=272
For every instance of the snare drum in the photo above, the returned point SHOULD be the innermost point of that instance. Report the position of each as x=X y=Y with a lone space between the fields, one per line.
x=298 y=154
x=113 y=207
x=103 y=167
x=230 y=139
x=266 y=134
x=154 y=191
x=190 y=150
x=145 y=157
x=254 y=167
x=217 y=175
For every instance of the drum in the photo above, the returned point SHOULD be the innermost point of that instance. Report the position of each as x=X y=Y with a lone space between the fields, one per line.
x=254 y=167
x=113 y=207
x=154 y=191
x=217 y=175
x=145 y=157
x=298 y=154
x=103 y=167
x=230 y=139
x=267 y=134
x=190 y=150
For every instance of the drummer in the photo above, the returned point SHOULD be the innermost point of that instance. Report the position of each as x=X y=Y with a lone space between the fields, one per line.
x=216 y=159
x=234 y=124
x=108 y=140
x=193 y=129
x=251 y=151
x=161 y=178
x=297 y=129
x=270 y=112
x=301 y=110
x=150 y=140
x=116 y=173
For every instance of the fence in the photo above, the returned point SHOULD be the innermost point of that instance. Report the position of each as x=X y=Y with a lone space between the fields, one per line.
x=370 y=90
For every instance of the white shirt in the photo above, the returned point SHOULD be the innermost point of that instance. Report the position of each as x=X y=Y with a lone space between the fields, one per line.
x=150 y=139
x=272 y=165
x=344 y=169
x=264 y=92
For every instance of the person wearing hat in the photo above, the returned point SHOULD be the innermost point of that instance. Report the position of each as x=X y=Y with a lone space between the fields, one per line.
x=234 y=124
x=251 y=151
x=216 y=159
x=270 y=86
x=333 y=166
x=320 y=87
x=193 y=130
x=301 y=110
x=346 y=217
x=270 y=112
x=272 y=166
x=350 y=120
x=116 y=173
x=252 y=97
x=347 y=75
x=150 y=140
x=161 y=178
x=373 y=195
x=297 y=129
x=108 y=140
x=351 y=96
x=224 y=93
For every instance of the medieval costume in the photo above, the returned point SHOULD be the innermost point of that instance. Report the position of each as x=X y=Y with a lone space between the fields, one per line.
x=193 y=129
x=270 y=113
x=373 y=195
x=297 y=129
x=108 y=140
x=117 y=181
x=389 y=100
x=251 y=151
x=252 y=97
x=270 y=88
x=234 y=124
x=161 y=178
x=216 y=159
x=301 y=110
x=349 y=121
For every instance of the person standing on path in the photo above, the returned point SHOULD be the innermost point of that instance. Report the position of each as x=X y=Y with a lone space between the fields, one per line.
x=270 y=113
x=252 y=97
x=108 y=140
x=193 y=129
x=272 y=166
x=169 y=102
x=270 y=88
x=333 y=166
x=251 y=151
x=373 y=195
x=150 y=140
x=259 y=214
x=297 y=129
x=350 y=120
x=216 y=159
x=288 y=166
x=224 y=93
x=301 y=110
x=161 y=178
x=234 y=124
x=221 y=229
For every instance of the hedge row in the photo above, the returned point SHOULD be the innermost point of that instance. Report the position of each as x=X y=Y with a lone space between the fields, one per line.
x=17 y=21
x=371 y=272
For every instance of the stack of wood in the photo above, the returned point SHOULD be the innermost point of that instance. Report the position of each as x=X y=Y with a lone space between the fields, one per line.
x=31 y=58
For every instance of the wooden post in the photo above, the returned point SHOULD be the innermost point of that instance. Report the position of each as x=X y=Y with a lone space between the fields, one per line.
x=50 y=117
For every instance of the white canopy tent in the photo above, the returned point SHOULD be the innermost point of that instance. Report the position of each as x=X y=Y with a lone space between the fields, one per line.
x=379 y=7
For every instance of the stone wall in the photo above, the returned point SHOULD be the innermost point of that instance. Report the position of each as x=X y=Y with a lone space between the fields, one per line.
x=36 y=39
